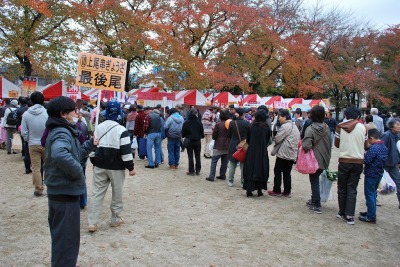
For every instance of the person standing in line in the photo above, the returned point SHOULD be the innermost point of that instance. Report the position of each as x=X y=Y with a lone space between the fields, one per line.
x=285 y=149
x=378 y=121
x=141 y=124
x=23 y=102
x=173 y=129
x=331 y=122
x=65 y=180
x=374 y=160
x=256 y=164
x=237 y=132
x=208 y=120
x=33 y=125
x=153 y=133
x=11 y=129
x=111 y=158
x=350 y=138
x=221 y=145
x=318 y=138
x=298 y=120
x=193 y=129
x=390 y=138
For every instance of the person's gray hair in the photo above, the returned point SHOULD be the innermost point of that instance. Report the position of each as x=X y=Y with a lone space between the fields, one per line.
x=392 y=122
x=374 y=111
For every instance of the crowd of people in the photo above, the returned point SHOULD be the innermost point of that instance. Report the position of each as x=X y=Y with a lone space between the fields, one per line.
x=57 y=141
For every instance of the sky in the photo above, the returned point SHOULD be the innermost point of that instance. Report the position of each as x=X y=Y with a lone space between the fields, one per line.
x=379 y=13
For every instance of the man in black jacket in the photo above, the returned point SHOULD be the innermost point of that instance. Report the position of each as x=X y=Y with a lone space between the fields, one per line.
x=237 y=132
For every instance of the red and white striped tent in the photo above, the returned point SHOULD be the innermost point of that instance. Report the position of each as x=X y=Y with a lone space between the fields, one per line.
x=106 y=95
x=224 y=99
x=252 y=100
x=8 y=89
x=190 y=97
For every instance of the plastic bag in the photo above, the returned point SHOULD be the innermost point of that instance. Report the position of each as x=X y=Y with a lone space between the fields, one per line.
x=211 y=145
x=306 y=162
x=134 y=143
x=386 y=186
x=325 y=187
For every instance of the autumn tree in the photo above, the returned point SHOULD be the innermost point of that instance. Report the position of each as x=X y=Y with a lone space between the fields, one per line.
x=37 y=36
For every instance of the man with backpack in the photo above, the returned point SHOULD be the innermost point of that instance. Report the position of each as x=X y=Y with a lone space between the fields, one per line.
x=10 y=124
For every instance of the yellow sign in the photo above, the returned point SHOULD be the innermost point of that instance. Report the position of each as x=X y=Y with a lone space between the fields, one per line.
x=101 y=72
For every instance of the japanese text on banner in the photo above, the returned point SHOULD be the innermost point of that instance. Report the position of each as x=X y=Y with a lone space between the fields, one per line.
x=101 y=72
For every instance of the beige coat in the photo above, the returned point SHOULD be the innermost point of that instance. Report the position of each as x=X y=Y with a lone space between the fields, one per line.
x=287 y=139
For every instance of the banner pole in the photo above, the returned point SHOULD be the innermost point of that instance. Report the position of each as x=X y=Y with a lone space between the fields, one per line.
x=97 y=112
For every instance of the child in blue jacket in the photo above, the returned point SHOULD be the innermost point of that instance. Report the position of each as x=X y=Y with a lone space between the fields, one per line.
x=374 y=160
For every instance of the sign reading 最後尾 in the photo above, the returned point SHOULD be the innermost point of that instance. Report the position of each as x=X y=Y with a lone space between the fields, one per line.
x=101 y=72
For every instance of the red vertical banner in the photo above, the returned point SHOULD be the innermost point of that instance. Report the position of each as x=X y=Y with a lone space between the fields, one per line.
x=29 y=85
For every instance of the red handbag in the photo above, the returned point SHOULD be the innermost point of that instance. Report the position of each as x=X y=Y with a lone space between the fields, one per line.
x=240 y=154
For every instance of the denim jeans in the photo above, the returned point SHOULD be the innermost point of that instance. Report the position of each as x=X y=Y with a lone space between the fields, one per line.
x=315 y=193
x=232 y=169
x=194 y=148
x=283 y=167
x=222 y=169
x=154 y=139
x=370 y=187
x=347 y=182
x=174 y=152
x=10 y=136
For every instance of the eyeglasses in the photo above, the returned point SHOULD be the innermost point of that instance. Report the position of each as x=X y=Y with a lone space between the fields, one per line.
x=74 y=109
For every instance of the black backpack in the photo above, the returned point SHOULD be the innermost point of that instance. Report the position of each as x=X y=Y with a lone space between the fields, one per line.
x=12 y=118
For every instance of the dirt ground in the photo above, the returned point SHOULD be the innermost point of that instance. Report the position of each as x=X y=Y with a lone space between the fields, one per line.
x=172 y=219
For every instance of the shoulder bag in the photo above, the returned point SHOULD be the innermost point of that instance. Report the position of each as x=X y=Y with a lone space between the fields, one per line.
x=240 y=153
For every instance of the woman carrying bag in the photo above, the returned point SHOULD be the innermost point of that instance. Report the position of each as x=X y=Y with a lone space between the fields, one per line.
x=317 y=138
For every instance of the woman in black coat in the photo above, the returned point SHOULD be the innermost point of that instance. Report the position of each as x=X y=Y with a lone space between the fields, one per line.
x=193 y=129
x=256 y=165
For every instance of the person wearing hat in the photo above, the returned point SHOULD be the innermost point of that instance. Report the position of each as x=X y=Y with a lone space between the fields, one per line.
x=232 y=111
x=11 y=129
x=237 y=132
x=208 y=121
x=111 y=158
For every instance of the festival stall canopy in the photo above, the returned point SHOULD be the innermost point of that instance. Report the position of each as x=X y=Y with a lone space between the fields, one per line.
x=252 y=100
x=54 y=90
x=8 y=89
x=302 y=107
x=272 y=102
x=190 y=97
x=295 y=101
x=224 y=99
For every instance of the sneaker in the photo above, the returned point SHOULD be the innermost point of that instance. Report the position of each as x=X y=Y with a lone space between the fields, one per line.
x=190 y=173
x=117 y=223
x=221 y=177
x=341 y=216
x=350 y=220
x=139 y=159
x=365 y=219
x=149 y=167
x=315 y=209
x=309 y=203
x=230 y=184
x=272 y=193
x=37 y=194
x=210 y=179
x=172 y=167
x=288 y=195
x=364 y=214
x=92 y=228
